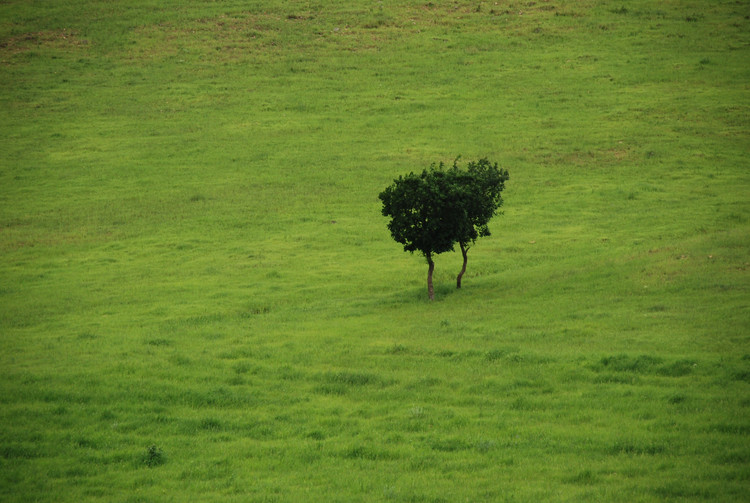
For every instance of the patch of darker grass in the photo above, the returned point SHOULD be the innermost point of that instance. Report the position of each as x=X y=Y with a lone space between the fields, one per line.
x=585 y=477
x=644 y=365
x=340 y=383
x=19 y=451
x=397 y=349
x=316 y=435
x=352 y=378
x=368 y=453
x=210 y=424
x=741 y=375
x=683 y=490
x=159 y=342
x=498 y=354
x=219 y=398
x=677 y=398
x=731 y=428
x=485 y=446
x=636 y=448
x=677 y=369
x=735 y=456
x=450 y=445
x=424 y=383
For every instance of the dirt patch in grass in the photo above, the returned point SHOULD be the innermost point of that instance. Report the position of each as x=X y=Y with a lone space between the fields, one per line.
x=40 y=40
x=224 y=37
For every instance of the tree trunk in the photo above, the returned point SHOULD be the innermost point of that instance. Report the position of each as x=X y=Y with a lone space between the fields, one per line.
x=464 y=251
x=431 y=264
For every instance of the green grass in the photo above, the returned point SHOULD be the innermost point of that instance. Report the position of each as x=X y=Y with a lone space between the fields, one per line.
x=199 y=298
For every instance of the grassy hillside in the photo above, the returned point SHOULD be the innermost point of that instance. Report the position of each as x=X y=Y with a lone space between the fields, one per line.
x=200 y=301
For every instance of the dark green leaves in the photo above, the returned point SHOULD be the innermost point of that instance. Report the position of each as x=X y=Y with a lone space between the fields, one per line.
x=478 y=197
x=419 y=209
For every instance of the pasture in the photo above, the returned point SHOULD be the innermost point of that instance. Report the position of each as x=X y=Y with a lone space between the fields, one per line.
x=200 y=301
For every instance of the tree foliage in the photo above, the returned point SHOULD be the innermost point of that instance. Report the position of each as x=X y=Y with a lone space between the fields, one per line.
x=480 y=190
x=416 y=205
x=432 y=211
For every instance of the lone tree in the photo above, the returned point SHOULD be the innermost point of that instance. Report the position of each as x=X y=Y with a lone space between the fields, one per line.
x=417 y=206
x=433 y=211
x=479 y=197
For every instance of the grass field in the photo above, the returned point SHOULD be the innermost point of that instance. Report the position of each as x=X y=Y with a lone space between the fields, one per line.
x=200 y=301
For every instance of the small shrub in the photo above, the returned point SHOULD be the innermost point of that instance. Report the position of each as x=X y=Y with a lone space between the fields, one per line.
x=153 y=457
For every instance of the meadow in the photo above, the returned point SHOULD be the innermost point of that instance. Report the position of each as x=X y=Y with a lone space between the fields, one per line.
x=200 y=301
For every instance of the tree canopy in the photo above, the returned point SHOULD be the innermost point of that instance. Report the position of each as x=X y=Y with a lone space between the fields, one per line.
x=432 y=211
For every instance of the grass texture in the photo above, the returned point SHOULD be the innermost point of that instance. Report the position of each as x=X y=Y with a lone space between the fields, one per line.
x=200 y=301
